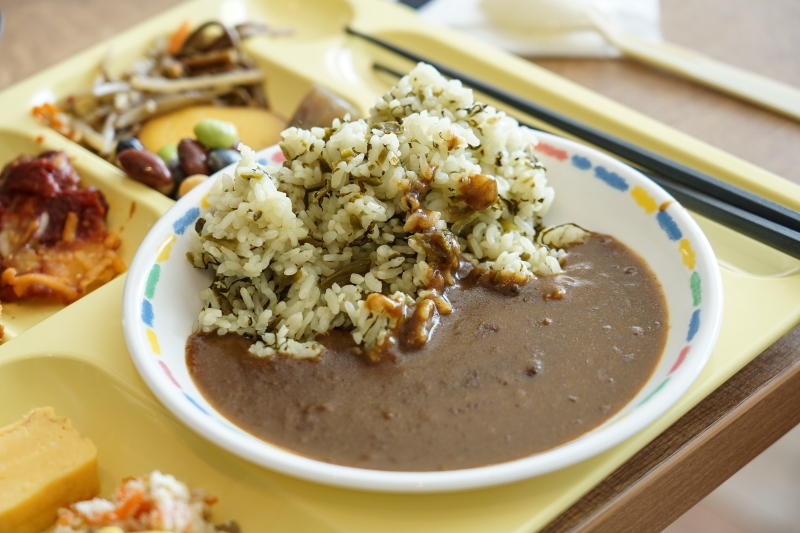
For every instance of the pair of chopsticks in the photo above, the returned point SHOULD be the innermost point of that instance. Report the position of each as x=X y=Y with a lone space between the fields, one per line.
x=743 y=211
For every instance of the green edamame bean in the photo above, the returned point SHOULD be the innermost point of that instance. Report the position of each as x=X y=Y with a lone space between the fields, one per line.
x=213 y=133
x=169 y=152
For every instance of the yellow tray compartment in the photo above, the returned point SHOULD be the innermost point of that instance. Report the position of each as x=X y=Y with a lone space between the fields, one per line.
x=76 y=360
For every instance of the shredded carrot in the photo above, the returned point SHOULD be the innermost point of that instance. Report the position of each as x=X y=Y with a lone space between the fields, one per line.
x=45 y=110
x=179 y=37
x=52 y=116
x=128 y=502
x=135 y=507
x=129 y=505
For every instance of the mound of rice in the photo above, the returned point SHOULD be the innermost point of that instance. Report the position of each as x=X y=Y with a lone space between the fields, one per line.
x=367 y=220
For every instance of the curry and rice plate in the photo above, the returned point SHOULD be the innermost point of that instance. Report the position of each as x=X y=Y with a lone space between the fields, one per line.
x=366 y=244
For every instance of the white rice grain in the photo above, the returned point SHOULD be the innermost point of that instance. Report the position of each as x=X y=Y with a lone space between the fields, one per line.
x=280 y=239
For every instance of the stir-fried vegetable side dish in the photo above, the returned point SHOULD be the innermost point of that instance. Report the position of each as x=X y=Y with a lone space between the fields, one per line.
x=154 y=502
x=201 y=67
x=206 y=66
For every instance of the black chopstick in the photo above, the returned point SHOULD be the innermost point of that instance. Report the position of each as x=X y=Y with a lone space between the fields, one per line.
x=661 y=165
x=768 y=232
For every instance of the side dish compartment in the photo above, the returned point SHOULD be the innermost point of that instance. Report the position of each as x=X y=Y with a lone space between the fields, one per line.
x=133 y=209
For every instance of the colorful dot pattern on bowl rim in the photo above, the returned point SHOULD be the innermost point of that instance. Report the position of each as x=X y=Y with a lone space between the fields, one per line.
x=163 y=251
x=638 y=194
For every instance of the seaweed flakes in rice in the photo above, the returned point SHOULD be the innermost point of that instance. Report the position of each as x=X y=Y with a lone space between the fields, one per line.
x=432 y=180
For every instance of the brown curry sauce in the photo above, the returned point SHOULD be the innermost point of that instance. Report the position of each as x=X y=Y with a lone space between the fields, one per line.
x=507 y=374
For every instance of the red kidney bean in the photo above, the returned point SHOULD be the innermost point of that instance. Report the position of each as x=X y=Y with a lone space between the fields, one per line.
x=193 y=157
x=146 y=167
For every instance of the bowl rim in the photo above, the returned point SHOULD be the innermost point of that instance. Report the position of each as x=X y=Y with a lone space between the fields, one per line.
x=583 y=447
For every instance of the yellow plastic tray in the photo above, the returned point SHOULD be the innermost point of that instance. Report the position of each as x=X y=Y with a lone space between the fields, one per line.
x=76 y=359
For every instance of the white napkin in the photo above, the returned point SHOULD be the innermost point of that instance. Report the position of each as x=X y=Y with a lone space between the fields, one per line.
x=555 y=28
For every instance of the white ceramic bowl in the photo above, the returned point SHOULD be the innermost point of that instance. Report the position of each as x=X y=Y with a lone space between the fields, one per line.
x=161 y=301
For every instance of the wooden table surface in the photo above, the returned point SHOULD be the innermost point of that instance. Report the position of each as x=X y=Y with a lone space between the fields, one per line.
x=750 y=411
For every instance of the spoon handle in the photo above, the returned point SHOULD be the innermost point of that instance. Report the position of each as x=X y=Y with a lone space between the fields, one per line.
x=749 y=86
